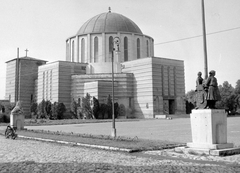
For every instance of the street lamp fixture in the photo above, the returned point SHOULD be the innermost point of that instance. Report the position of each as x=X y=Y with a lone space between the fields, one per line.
x=116 y=42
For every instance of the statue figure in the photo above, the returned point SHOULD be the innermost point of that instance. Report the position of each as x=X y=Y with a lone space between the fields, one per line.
x=199 y=80
x=201 y=94
x=207 y=92
x=213 y=94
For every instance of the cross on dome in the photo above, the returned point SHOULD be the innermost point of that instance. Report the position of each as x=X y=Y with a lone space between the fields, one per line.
x=26 y=52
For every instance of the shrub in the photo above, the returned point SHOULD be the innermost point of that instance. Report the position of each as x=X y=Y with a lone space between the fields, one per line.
x=68 y=115
x=105 y=111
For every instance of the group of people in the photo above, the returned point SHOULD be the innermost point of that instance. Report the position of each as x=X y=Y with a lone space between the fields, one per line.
x=207 y=91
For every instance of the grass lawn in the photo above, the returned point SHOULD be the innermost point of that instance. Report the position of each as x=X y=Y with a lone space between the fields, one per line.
x=134 y=144
x=45 y=122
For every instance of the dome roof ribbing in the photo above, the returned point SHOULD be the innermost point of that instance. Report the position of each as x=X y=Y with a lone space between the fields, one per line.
x=109 y=22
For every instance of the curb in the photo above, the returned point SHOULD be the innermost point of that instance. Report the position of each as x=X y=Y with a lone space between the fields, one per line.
x=77 y=144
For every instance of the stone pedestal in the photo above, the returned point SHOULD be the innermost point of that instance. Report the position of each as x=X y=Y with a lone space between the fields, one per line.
x=209 y=129
x=209 y=134
x=17 y=120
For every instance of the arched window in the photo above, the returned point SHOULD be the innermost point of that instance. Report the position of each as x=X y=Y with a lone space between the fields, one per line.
x=68 y=58
x=147 y=48
x=83 y=50
x=95 y=49
x=125 y=49
x=138 y=48
x=110 y=47
x=72 y=51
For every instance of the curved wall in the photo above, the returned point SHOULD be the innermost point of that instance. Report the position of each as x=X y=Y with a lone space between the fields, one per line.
x=96 y=48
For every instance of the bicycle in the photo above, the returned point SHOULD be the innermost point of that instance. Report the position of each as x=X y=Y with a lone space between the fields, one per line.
x=10 y=132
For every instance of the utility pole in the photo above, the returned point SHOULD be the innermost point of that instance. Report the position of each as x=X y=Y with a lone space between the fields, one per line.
x=17 y=77
x=204 y=42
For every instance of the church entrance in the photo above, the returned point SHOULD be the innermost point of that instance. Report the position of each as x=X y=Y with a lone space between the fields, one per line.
x=169 y=106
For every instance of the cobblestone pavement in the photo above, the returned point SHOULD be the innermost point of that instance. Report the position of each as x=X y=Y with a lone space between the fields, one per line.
x=34 y=156
x=234 y=159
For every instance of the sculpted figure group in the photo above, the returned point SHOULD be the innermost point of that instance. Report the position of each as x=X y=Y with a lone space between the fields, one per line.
x=207 y=92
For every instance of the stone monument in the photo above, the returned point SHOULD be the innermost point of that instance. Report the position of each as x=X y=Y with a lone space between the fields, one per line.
x=209 y=129
x=208 y=124
x=17 y=117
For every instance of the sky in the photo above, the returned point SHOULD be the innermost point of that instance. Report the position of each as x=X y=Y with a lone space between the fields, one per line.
x=42 y=27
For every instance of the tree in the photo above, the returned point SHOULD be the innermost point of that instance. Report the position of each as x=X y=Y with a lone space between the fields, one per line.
x=190 y=99
x=73 y=108
x=34 y=107
x=48 y=108
x=96 y=107
x=122 y=110
x=116 y=109
x=60 y=110
x=190 y=96
x=237 y=87
x=103 y=111
x=41 y=109
x=109 y=105
x=54 y=114
x=86 y=108
x=228 y=96
x=237 y=92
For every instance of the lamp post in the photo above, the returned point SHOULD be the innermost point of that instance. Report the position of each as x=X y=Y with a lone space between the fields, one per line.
x=116 y=41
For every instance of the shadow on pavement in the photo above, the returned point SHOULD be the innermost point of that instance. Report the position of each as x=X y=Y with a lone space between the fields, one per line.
x=166 y=165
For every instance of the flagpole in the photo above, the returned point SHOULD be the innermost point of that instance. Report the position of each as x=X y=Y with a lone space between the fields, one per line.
x=204 y=41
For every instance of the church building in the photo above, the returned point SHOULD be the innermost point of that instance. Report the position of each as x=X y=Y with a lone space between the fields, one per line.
x=144 y=85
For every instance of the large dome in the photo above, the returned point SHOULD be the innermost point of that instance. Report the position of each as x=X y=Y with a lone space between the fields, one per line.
x=109 y=22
